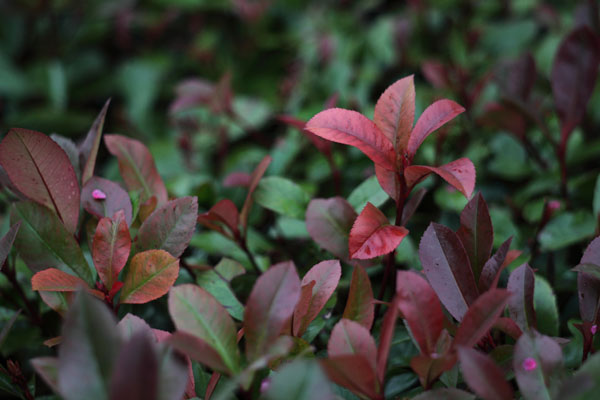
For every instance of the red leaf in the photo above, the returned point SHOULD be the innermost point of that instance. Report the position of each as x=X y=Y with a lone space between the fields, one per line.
x=480 y=317
x=224 y=212
x=458 y=173
x=41 y=170
x=412 y=204
x=429 y=368
x=386 y=336
x=476 y=233
x=372 y=235
x=436 y=73
x=446 y=266
x=326 y=276
x=328 y=222
x=237 y=179
x=574 y=76
x=493 y=267
x=483 y=375
x=359 y=306
x=170 y=227
x=354 y=129
x=55 y=280
x=256 y=176
x=88 y=149
x=111 y=247
x=588 y=285
x=150 y=275
x=116 y=199
x=432 y=118
x=509 y=327
x=395 y=112
x=270 y=304
x=7 y=241
x=388 y=180
x=198 y=350
x=420 y=308
x=353 y=372
x=521 y=283
x=520 y=77
x=137 y=167
x=349 y=337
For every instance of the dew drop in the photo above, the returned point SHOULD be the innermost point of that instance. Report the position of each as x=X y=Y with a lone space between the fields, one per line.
x=98 y=194
x=594 y=329
x=529 y=364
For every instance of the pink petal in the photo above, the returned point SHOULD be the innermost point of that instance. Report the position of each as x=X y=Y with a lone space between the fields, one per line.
x=594 y=329
x=529 y=364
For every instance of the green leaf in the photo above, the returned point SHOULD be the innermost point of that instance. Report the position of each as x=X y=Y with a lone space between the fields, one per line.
x=546 y=311
x=219 y=288
x=566 y=229
x=282 y=196
x=299 y=380
x=369 y=191
x=596 y=201
x=43 y=241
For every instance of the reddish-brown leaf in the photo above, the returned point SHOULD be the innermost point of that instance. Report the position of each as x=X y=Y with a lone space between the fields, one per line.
x=41 y=170
x=430 y=367
x=326 y=276
x=270 y=304
x=483 y=376
x=493 y=267
x=115 y=199
x=458 y=173
x=137 y=167
x=88 y=149
x=352 y=128
x=224 y=212
x=349 y=337
x=256 y=176
x=328 y=222
x=520 y=77
x=432 y=118
x=359 y=306
x=170 y=227
x=420 y=308
x=521 y=283
x=386 y=336
x=480 y=317
x=446 y=266
x=111 y=247
x=574 y=75
x=436 y=73
x=476 y=233
x=412 y=204
x=55 y=280
x=150 y=275
x=395 y=112
x=588 y=285
x=237 y=179
x=372 y=235
x=7 y=241
x=354 y=372
x=198 y=350
x=388 y=180
x=509 y=327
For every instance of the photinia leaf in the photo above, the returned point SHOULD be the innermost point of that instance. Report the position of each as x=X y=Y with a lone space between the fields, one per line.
x=521 y=284
x=47 y=368
x=299 y=380
x=354 y=372
x=420 y=308
x=110 y=198
x=110 y=249
x=434 y=116
x=492 y=268
x=199 y=350
x=43 y=240
x=352 y=128
x=480 y=317
x=509 y=327
x=446 y=394
x=88 y=149
x=256 y=176
x=574 y=76
x=328 y=222
x=198 y=313
x=386 y=336
x=430 y=367
x=326 y=276
x=55 y=280
x=372 y=235
x=395 y=112
x=214 y=282
x=41 y=170
x=135 y=374
x=520 y=78
x=131 y=325
x=170 y=227
x=70 y=149
x=58 y=301
x=349 y=337
x=388 y=180
x=7 y=241
x=412 y=204
x=322 y=145
x=447 y=268
x=282 y=196
x=537 y=362
x=459 y=173
x=150 y=275
x=270 y=304
x=588 y=285
x=476 y=233
x=237 y=178
x=137 y=167
x=224 y=212
x=89 y=348
x=360 y=306
x=483 y=375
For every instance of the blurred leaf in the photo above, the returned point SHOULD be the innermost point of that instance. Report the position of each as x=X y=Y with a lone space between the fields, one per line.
x=301 y=380
x=566 y=229
x=282 y=196
x=546 y=310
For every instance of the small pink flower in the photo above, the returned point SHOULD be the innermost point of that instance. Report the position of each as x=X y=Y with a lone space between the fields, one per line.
x=594 y=329
x=529 y=364
x=98 y=194
x=264 y=385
